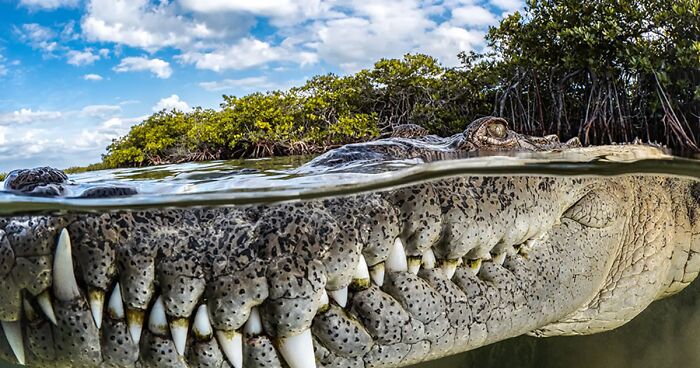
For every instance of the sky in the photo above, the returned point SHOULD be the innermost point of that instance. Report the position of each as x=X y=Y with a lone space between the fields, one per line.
x=75 y=74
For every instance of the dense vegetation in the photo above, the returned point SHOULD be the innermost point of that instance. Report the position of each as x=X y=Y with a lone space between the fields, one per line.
x=605 y=71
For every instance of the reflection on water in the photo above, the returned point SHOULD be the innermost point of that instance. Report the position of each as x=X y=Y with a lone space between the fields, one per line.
x=667 y=334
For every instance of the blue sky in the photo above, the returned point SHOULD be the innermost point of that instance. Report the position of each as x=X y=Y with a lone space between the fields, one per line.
x=74 y=74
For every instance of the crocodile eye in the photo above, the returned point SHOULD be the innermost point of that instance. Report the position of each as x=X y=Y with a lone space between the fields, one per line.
x=497 y=130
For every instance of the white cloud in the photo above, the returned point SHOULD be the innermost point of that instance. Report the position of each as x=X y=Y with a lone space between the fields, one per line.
x=25 y=143
x=100 y=111
x=28 y=116
x=509 y=5
x=160 y=68
x=247 y=53
x=215 y=34
x=92 y=77
x=3 y=68
x=48 y=4
x=38 y=37
x=99 y=137
x=35 y=32
x=371 y=30
x=68 y=32
x=452 y=40
x=282 y=12
x=473 y=16
x=250 y=83
x=171 y=103
x=79 y=58
x=140 y=23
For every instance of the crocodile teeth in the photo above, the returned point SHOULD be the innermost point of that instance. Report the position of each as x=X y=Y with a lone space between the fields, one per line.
x=324 y=302
x=134 y=319
x=115 y=306
x=298 y=350
x=428 y=259
x=65 y=287
x=414 y=264
x=157 y=322
x=231 y=343
x=340 y=296
x=44 y=301
x=361 y=272
x=499 y=258
x=360 y=280
x=253 y=325
x=474 y=266
x=13 y=333
x=202 y=326
x=178 y=330
x=396 y=261
x=376 y=273
x=448 y=267
x=97 y=301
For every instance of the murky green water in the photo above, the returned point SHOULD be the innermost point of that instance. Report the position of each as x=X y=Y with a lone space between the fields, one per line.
x=665 y=335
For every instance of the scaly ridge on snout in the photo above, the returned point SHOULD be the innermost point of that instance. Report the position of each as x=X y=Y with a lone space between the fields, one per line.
x=298 y=283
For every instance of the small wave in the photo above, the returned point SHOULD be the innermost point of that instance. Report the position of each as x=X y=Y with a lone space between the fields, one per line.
x=246 y=182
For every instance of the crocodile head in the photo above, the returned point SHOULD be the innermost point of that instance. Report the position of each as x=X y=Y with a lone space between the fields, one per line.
x=492 y=134
x=380 y=279
x=410 y=141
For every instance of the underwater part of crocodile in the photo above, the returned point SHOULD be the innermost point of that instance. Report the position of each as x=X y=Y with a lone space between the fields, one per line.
x=381 y=279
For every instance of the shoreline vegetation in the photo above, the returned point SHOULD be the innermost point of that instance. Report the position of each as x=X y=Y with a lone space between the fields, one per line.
x=605 y=71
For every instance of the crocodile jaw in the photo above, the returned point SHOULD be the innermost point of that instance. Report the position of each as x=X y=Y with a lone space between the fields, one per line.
x=463 y=263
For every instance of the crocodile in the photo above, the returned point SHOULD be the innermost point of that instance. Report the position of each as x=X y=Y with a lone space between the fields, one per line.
x=387 y=278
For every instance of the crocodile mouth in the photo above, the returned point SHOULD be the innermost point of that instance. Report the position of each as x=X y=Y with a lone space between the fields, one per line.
x=384 y=279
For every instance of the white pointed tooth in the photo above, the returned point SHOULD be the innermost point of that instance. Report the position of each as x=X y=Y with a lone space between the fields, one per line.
x=428 y=259
x=134 y=319
x=298 y=350
x=253 y=325
x=324 y=302
x=97 y=302
x=65 y=287
x=13 y=333
x=231 y=343
x=376 y=273
x=44 y=301
x=414 y=264
x=362 y=271
x=474 y=265
x=340 y=296
x=448 y=267
x=157 y=321
x=178 y=330
x=397 y=258
x=115 y=306
x=202 y=325
x=499 y=258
